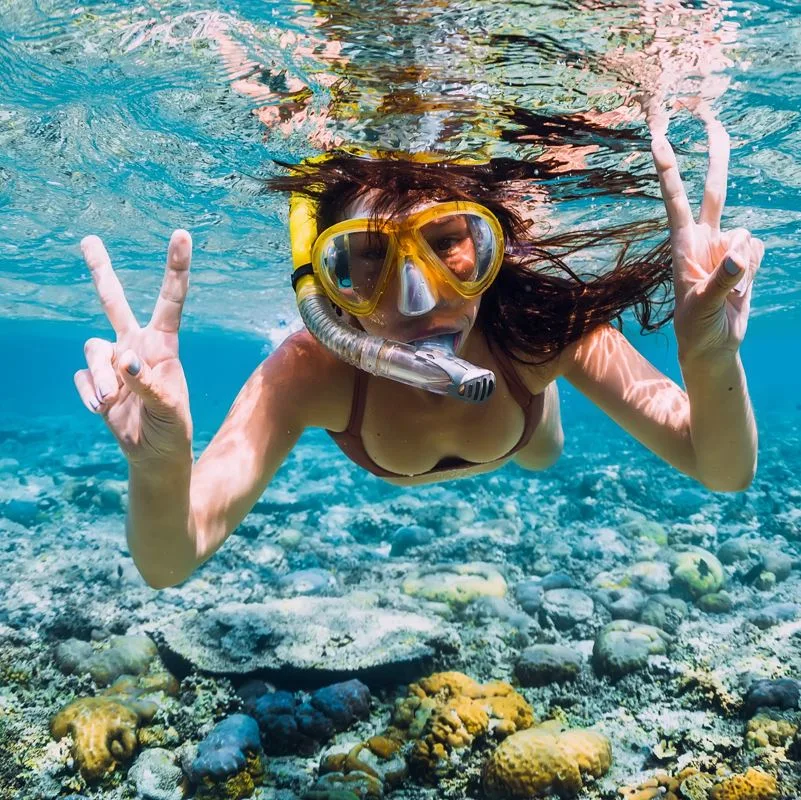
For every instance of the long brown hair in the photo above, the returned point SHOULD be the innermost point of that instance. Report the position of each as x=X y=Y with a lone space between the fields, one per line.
x=537 y=305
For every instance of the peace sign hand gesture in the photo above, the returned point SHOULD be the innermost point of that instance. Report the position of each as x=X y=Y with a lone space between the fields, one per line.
x=713 y=270
x=136 y=383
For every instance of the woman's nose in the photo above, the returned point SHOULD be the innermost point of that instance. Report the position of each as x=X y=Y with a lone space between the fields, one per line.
x=414 y=294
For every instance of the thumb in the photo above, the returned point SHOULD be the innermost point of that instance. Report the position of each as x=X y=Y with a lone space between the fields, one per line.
x=727 y=277
x=138 y=377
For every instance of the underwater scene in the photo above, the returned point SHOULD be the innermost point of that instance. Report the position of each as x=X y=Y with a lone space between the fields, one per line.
x=611 y=612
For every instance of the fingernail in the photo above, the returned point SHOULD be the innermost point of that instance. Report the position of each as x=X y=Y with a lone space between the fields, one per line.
x=134 y=367
x=95 y=404
x=731 y=266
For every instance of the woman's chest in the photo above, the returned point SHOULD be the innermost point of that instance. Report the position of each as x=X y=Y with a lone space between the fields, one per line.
x=408 y=436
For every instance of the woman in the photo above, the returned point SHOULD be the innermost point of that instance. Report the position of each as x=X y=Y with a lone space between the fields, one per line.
x=504 y=318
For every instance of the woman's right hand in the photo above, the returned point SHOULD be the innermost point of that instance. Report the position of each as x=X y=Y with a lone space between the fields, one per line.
x=136 y=382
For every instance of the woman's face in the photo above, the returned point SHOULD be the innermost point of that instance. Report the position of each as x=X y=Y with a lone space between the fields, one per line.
x=416 y=305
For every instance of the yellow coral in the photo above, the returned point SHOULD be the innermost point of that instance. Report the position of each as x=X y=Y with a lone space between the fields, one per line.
x=752 y=785
x=546 y=760
x=103 y=731
x=456 y=584
x=447 y=711
x=104 y=728
x=765 y=730
x=686 y=785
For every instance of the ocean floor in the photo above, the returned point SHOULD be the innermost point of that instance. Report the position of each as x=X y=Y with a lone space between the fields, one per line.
x=607 y=593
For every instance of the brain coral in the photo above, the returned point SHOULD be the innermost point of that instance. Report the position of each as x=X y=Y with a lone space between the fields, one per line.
x=447 y=711
x=546 y=760
x=753 y=785
x=104 y=728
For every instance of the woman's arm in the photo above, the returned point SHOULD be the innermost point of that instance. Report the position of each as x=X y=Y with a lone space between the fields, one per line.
x=296 y=387
x=707 y=432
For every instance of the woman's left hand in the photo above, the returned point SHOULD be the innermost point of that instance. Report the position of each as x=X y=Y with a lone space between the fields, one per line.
x=713 y=270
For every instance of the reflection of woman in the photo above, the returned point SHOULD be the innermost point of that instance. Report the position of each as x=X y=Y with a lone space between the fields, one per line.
x=441 y=295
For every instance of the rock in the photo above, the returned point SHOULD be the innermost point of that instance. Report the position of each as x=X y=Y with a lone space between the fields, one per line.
x=557 y=580
x=500 y=608
x=409 y=536
x=308 y=582
x=542 y=664
x=343 y=703
x=780 y=564
x=765 y=581
x=665 y=612
x=715 y=602
x=231 y=750
x=24 y=512
x=698 y=572
x=456 y=584
x=735 y=550
x=650 y=576
x=782 y=693
x=774 y=614
x=529 y=594
x=622 y=603
x=567 y=607
x=125 y=655
x=624 y=646
x=308 y=640
x=157 y=775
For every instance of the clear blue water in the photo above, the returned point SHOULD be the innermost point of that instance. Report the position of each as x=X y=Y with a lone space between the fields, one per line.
x=119 y=119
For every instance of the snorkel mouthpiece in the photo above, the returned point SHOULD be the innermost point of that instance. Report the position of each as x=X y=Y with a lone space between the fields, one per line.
x=431 y=365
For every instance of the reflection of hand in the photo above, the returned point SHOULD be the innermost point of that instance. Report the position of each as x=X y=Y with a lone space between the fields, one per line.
x=684 y=56
x=713 y=270
x=136 y=382
x=285 y=111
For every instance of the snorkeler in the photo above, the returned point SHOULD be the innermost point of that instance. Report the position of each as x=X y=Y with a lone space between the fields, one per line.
x=429 y=352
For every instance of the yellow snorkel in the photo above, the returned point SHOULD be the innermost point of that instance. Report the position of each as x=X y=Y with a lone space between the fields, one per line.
x=429 y=365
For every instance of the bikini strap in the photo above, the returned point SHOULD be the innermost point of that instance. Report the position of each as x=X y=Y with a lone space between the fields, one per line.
x=517 y=388
x=358 y=403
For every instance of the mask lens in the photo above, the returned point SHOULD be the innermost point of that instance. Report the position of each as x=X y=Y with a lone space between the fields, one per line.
x=353 y=263
x=464 y=243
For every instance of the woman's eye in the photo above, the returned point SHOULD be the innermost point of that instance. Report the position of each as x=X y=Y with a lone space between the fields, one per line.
x=447 y=242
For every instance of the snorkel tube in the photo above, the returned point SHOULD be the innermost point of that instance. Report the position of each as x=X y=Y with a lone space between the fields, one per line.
x=429 y=365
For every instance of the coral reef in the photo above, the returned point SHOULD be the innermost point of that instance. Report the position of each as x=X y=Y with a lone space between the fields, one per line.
x=104 y=728
x=546 y=760
x=444 y=714
x=751 y=785
x=291 y=726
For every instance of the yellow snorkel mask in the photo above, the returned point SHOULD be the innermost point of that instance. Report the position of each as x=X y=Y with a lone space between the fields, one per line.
x=458 y=244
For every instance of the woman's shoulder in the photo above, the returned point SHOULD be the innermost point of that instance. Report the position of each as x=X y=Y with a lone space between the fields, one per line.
x=319 y=381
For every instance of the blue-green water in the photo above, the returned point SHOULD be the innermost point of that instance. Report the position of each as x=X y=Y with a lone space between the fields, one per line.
x=120 y=119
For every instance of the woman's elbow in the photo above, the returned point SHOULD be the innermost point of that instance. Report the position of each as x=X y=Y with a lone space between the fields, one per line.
x=727 y=483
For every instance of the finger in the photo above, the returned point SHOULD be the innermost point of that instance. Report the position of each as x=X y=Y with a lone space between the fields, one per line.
x=755 y=252
x=167 y=313
x=676 y=202
x=717 y=175
x=86 y=389
x=99 y=358
x=138 y=377
x=109 y=289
